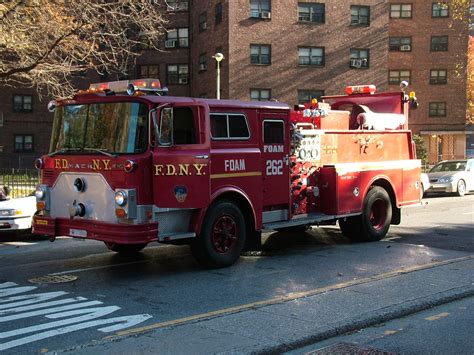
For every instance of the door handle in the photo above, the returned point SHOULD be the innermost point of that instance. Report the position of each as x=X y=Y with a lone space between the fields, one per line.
x=202 y=156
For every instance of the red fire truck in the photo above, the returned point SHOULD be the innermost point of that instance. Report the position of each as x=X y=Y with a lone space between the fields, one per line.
x=129 y=166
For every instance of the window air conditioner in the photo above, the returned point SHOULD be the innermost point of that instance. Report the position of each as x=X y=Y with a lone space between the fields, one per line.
x=265 y=14
x=202 y=67
x=183 y=80
x=405 y=48
x=204 y=25
x=356 y=62
x=171 y=43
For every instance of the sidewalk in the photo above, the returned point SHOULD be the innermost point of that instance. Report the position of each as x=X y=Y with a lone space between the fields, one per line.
x=284 y=324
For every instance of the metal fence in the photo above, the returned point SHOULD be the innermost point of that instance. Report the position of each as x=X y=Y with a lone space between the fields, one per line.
x=22 y=182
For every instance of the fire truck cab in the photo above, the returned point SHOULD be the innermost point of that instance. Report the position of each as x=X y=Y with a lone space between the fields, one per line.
x=133 y=168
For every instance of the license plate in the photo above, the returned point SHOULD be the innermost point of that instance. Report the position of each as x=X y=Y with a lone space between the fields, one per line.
x=81 y=233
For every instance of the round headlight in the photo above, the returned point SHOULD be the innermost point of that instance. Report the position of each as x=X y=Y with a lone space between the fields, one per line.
x=120 y=198
x=39 y=193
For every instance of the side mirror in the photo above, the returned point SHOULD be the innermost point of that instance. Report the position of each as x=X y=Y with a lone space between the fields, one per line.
x=165 y=134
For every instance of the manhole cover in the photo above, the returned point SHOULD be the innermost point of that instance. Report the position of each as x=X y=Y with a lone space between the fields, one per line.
x=347 y=348
x=53 y=279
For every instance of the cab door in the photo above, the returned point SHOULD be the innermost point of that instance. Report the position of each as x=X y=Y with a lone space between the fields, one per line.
x=275 y=145
x=181 y=157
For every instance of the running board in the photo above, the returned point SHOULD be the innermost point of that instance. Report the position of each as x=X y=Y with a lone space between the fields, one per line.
x=174 y=236
x=313 y=218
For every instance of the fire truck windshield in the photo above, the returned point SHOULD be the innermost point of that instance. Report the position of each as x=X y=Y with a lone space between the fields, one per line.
x=104 y=128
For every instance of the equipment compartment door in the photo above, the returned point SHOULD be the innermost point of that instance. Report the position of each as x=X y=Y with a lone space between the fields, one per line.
x=181 y=160
x=275 y=145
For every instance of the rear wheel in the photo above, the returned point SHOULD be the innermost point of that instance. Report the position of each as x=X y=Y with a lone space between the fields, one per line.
x=125 y=249
x=461 y=188
x=222 y=237
x=374 y=222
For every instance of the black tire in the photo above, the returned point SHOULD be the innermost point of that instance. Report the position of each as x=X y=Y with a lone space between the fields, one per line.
x=125 y=249
x=222 y=236
x=374 y=222
x=461 y=188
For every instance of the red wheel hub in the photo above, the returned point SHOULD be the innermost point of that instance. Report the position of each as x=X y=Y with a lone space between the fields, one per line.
x=224 y=234
x=378 y=214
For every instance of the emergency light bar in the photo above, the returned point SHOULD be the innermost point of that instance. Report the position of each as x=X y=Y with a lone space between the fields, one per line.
x=360 y=89
x=128 y=86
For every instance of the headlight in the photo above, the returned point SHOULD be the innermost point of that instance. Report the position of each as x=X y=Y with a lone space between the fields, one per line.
x=10 y=212
x=446 y=179
x=121 y=198
x=39 y=193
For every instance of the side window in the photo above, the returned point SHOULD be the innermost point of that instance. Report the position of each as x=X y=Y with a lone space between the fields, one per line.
x=184 y=130
x=229 y=126
x=273 y=132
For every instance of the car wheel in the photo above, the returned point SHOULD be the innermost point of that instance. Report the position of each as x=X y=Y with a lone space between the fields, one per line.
x=461 y=189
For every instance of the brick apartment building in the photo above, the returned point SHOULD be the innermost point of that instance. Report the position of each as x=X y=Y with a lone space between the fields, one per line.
x=290 y=51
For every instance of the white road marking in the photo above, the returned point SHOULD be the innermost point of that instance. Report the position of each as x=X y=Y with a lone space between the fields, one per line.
x=74 y=314
x=41 y=305
x=35 y=298
x=48 y=310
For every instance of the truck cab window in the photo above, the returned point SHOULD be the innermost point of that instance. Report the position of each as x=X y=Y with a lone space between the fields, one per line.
x=273 y=132
x=180 y=121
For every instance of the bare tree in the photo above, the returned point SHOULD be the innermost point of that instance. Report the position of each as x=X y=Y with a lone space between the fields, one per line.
x=43 y=43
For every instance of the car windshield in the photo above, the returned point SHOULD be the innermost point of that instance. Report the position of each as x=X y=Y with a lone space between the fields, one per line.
x=104 y=127
x=449 y=166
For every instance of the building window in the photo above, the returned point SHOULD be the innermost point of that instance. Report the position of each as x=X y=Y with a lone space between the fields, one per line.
x=313 y=56
x=202 y=62
x=260 y=54
x=22 y=103
x=360 y=15
x=400 y=11
x=439 y=43
x=218 y=13
x=149 y=71
x=177 y=37
x=359 y=58
x=177 y=74
x=402 y=44
x=439 y=9
x=177 y=5
x=438 y=76
x=437 y=109
x=395 y=77
x=202 y=21
x=260 y=9
x=310 y=12
x=305 y=96
x=23 y=143
x=260 y=94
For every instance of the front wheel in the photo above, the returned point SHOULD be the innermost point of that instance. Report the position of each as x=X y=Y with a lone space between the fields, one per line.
x=374 y=222
x=125 y=249
x=461 y=188
x=222 y=237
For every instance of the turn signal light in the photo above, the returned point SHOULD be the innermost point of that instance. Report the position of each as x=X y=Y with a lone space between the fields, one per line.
x=120 y=213
x=40 y=205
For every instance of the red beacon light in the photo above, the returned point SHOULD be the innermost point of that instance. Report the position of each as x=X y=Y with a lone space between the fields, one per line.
x=360 y=89
x=131 y=87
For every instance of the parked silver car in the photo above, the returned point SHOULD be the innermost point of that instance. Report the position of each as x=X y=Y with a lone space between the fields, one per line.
x=452 y=176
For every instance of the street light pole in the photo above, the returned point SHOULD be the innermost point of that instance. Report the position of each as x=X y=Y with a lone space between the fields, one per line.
x=218 y=57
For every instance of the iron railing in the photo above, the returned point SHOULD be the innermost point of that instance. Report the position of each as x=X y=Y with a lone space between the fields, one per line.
x=22 y=182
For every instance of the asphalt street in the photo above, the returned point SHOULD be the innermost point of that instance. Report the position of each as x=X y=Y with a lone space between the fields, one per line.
x=73 y=296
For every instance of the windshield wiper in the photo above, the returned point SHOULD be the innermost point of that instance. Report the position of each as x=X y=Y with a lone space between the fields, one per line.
x=100 y=150
x=64 y=150
x=77 y=149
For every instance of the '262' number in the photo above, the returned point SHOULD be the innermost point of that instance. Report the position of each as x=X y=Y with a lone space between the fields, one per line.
x=274 y=167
